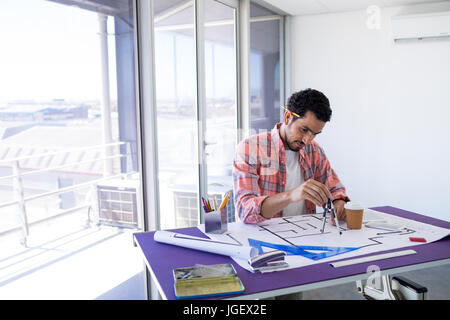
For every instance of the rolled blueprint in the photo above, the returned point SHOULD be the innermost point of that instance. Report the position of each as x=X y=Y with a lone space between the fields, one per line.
x=202 y=244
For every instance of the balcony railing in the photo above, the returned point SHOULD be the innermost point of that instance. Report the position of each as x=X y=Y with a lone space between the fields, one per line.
x=96 y=175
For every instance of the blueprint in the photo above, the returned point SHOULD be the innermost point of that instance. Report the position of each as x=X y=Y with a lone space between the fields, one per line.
x=301 y=239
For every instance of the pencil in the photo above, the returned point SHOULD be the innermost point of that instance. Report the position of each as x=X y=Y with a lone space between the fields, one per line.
x=224 y=201
x=228 y=199
x=205 y=207
x=295 y=114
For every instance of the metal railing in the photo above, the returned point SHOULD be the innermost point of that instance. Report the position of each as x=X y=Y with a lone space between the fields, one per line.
x=20 y=200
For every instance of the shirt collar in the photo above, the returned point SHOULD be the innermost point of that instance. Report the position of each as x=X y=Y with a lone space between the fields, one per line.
x=276 y=138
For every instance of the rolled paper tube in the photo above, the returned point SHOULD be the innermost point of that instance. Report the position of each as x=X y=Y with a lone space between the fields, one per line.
x=202 y=244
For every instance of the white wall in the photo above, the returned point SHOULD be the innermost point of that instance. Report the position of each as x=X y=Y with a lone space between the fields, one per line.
x=389 y=136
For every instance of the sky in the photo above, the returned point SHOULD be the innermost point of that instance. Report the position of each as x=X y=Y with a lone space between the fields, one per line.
x=49 y=51
x=177 y=76
x=52 y=51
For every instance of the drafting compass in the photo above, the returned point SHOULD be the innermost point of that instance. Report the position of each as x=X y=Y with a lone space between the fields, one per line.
x=329 y=208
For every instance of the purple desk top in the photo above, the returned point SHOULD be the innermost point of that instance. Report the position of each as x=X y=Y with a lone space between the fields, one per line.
x=163 y=258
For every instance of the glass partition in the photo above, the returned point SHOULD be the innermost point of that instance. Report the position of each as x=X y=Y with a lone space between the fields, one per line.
x=264 y=68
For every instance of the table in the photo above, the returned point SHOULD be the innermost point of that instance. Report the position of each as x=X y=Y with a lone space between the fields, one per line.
x=161 y=259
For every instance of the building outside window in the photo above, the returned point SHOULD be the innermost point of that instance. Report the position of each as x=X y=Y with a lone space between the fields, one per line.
x=69 y=175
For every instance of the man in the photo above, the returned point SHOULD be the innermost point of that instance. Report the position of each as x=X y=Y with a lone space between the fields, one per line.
x=284 y=172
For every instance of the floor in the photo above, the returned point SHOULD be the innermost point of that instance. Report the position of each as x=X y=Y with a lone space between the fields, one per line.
x=72 y=262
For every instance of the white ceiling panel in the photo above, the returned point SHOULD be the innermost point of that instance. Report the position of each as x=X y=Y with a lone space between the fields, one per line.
x=294 y=7
x=305 y=7
x=349 y=5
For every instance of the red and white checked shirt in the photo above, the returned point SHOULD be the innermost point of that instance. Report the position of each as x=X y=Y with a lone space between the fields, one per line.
x=259 y=171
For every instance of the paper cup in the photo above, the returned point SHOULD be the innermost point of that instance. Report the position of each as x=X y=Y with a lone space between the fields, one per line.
x=354 y=214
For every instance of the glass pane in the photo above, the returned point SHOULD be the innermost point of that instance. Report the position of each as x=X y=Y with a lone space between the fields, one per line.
x=68 y=149
x=220 y=81
x=264 y=69
x=175 y=78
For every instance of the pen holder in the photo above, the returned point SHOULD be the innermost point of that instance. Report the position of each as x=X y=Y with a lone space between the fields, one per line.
x=216 y=221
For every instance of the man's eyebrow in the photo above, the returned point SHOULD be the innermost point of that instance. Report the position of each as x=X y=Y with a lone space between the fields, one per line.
x=305 y=127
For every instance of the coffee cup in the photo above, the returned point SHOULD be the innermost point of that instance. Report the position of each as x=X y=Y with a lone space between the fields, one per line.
x=354 y=214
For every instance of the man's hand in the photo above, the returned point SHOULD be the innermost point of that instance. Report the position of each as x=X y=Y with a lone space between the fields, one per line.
x=311 y=190
x=339 y=210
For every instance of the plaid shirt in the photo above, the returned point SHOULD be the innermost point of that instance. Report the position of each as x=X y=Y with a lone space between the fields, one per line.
x=259 y=171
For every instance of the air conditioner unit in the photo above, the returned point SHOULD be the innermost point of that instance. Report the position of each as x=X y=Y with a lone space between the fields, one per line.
x=118 y=203
x=421 y=26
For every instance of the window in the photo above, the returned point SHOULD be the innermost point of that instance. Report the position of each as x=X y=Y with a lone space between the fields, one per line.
x=69 y=176
x=175 y=78
x=264 y=68
x=177 y=97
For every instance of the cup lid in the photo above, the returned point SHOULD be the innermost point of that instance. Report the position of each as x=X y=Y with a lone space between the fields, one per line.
x=353 y=206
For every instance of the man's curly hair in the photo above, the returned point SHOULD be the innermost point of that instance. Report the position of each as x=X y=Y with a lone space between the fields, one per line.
x=312 y=100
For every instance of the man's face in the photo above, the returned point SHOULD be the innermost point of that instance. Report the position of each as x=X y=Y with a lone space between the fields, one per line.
x=302 y=131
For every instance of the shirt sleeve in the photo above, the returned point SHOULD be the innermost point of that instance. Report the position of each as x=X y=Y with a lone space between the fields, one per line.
x=326 y=175
x=247 y=198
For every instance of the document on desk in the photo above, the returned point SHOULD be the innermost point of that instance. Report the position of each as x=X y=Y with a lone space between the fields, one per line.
x=300 y=237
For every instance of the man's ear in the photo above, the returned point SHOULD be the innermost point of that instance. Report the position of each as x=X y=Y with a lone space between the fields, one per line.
x=287 y=117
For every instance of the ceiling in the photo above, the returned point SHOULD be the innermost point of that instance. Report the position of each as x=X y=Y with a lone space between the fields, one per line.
x=109 y=7
x=305 y=7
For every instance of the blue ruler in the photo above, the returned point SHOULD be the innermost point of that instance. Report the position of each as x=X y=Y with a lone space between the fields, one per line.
x=301 y=250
